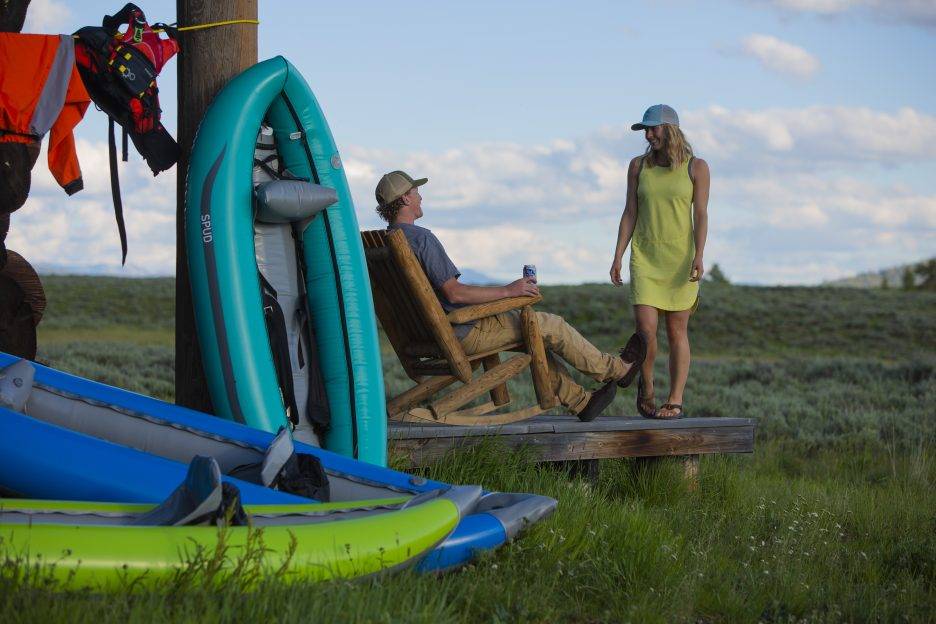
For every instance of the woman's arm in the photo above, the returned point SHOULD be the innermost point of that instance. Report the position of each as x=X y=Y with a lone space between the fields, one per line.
x=700 y=196
x=628 y=221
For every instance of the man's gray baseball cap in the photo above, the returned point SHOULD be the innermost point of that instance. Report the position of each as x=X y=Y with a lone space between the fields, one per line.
x=394 y=185
x=657 y=115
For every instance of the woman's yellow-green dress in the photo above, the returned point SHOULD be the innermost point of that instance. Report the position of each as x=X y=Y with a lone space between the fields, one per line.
x=663 y=247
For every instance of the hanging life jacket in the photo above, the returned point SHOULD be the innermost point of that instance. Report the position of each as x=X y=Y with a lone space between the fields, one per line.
x=41 y=93
x=119 y=71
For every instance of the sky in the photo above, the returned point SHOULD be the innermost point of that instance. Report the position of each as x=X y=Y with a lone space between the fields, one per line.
x=817 y=119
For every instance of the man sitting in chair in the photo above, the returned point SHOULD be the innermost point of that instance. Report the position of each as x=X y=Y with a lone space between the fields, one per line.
x=400 y=204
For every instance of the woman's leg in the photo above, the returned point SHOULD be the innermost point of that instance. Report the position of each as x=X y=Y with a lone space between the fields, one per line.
x=678 y=337
x=646 y=318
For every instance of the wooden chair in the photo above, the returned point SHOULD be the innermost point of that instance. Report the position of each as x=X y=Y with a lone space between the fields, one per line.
x=422 y=337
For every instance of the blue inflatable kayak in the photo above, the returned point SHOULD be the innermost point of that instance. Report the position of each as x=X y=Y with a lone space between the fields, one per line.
x=68 y=438
x=282 y=297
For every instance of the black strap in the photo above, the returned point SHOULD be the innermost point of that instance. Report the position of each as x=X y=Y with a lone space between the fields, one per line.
x=123 y=16
x=124 y=147
x=318 y=413
x=171 y=31
x=115 y=189
x=265 y=165
x=303 y=324
x=279 y=345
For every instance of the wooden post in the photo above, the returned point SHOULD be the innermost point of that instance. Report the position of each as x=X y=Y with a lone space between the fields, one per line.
x=691 y=470
x=208 y=59
x=13 y=15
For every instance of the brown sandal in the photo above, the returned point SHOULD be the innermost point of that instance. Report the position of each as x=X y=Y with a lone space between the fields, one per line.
x=633 y=353
x=643 y=401
x=671 y=406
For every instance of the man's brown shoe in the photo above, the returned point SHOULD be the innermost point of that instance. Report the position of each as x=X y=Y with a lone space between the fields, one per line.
x=599 y=401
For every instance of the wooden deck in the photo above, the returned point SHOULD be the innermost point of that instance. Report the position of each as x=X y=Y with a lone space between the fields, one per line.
x=565 y=438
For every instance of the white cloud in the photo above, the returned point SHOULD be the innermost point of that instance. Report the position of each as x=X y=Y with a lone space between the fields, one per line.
x=825 y=7
x=795 y=193
x=780 y=56
x=916 y=12
x=47 y=17
x=819 y=135
x=798 y=196
x=79 y=233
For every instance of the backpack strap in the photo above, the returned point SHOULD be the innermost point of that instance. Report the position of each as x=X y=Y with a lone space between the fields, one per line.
x=279 y=343
x=689 y=170
x=318 y=413
x=265 y=165
x=115 y=187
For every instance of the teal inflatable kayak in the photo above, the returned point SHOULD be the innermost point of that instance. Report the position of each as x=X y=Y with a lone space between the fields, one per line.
x=283 y=306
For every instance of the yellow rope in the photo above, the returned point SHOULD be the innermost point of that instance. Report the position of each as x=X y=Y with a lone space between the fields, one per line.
x=201 y=26
x=213 y=24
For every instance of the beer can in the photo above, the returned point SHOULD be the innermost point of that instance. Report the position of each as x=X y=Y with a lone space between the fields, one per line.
x=529 y=271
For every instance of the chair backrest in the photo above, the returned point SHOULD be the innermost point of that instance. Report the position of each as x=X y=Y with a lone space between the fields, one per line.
x=406 y=304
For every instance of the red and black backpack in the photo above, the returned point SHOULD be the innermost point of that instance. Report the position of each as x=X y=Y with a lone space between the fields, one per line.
x=119 y=71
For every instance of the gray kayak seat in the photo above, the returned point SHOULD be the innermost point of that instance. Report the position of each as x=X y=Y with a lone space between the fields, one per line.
x=199 y=499
x=16 y=383
x=289 y=201
x=276 y=456
x=516 y=511
x=283 y=469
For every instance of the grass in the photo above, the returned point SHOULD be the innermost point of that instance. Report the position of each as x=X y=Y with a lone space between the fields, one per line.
x=832 y=519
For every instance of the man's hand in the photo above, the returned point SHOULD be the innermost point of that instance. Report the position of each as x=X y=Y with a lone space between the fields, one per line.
x=523 y=287
x=616 y=273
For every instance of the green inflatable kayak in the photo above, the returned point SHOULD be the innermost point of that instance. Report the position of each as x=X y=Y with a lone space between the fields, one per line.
x=115 y=546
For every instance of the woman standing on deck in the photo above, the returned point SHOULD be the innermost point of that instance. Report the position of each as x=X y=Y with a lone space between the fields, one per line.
x=666 y=214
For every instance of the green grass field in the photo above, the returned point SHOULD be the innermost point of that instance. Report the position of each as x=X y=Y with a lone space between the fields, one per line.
x=833 y=518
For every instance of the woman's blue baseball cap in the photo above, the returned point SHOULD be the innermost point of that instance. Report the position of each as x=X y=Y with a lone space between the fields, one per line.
x=657 y=115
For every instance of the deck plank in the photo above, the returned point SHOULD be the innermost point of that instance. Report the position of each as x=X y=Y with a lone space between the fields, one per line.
x=565 y=438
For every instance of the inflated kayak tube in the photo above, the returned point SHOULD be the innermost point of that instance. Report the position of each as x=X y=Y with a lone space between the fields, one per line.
x=226 y=289
x=105 y=546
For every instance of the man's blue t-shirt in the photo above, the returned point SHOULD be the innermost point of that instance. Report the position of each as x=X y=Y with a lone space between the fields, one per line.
x=438 y=267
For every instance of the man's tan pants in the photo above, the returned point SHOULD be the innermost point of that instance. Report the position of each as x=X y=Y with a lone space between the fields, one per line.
x=560 y=339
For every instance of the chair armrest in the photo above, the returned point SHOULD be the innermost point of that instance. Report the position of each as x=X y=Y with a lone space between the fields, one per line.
x=481 y=310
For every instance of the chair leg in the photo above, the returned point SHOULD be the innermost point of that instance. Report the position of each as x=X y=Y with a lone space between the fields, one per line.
x=499 y=395
x=400 y=404
x=470 y=417
x=539 y=366
x=484 y=383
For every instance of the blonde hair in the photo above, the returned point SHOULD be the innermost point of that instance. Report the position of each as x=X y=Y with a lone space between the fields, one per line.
x=675 y=147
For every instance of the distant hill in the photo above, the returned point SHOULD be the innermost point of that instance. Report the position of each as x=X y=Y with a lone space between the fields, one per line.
x=874 y=279
x=470 y=276
x=130 y=270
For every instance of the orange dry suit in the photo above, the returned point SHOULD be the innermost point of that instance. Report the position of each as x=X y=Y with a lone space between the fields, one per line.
x=40 y=90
